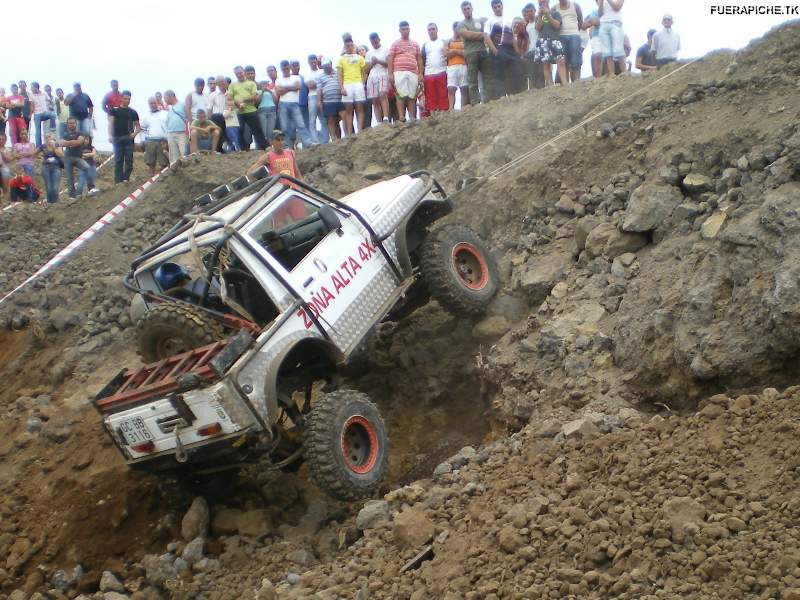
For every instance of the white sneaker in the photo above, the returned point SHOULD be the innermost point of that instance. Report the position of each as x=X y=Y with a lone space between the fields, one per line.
x=94 y=192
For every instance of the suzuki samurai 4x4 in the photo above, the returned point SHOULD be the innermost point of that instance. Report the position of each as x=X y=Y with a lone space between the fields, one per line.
x=261 y=291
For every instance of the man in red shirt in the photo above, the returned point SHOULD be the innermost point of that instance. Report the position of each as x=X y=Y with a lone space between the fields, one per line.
x=16 y=121
x=22 y=187
x=405 y=69
x=112 y=99
x=278 y=160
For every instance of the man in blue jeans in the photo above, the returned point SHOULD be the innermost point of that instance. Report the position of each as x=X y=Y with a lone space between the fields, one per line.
x=291 y=118
x=81 y=109
x=125 y=127
x=72 y=142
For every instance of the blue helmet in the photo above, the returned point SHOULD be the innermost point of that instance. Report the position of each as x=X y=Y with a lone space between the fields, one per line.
x=170 y=275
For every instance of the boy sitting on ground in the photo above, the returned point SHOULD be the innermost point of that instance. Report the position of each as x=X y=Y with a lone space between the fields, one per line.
x=22 y=186
x=204 y=133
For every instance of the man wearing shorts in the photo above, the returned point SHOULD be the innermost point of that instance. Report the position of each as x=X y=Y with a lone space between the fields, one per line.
x=350 y=68
x=612 y=36
x=570 y=35
x=378 y=78
x=549 y=50
x=456 y=70
x=433 y=56
x=154 y=126
x=405 y=68
x=329 y=99
x=592 y=24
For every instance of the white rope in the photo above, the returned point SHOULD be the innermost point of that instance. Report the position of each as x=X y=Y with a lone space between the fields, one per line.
x=515 y=162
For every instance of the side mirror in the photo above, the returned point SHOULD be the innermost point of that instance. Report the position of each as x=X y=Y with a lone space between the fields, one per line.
x=329 y=218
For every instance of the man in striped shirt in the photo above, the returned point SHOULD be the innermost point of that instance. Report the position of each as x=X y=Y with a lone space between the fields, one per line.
x=405 y=68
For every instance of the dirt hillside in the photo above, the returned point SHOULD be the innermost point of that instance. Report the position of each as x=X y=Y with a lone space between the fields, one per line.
x=611 y=428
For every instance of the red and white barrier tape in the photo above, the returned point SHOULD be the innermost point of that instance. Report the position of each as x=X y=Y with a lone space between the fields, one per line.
x=103 y=222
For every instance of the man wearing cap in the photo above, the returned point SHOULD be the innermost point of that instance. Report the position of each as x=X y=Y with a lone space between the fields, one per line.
x=377 y=69
x=278 y=160
x=405 y=68
x=288 y=90
x=318 y=135
x=244 y=94
x=645 y=59
x=666 y=43
x=350 y=68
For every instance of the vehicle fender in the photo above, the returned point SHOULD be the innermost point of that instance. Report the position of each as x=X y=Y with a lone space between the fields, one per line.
x=260 y=374
x=429 y=210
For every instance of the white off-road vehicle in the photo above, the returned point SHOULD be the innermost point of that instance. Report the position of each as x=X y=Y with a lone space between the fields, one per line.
x=246 y=308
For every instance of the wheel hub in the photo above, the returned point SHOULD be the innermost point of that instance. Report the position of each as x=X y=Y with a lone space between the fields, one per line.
x=359 y=444
x=470 y=266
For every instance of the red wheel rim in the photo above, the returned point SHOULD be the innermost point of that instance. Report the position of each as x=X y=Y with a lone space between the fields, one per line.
x=359 y=445
x=470 y=266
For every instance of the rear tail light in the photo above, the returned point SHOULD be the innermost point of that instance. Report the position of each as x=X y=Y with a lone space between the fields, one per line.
x=207 y=430
x=144 y=447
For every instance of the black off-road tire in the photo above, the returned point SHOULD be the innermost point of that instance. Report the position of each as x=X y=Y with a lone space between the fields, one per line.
x=170 y=328
x=346 y=446
x=458 y=269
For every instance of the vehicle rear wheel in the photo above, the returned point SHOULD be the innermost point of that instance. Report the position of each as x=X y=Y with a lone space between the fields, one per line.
x=458 y=269
x=346 y=446
x=170 y=328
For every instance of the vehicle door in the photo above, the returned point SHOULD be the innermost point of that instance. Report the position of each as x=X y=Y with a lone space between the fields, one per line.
x=339 y=273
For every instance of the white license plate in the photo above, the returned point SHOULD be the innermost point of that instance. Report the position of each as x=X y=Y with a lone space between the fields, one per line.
x=223 y=416
x=135 y=431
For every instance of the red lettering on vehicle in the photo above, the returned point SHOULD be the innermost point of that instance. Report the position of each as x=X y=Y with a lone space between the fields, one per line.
x=338 y=284
x=321 y=299
x=306 y=320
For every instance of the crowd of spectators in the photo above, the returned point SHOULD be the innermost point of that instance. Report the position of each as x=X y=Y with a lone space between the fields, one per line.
x=479 y=59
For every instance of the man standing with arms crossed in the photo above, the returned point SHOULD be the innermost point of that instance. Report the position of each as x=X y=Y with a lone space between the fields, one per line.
x=126 y=128
x=666 y=43
x=405 y=70
x=475 y=52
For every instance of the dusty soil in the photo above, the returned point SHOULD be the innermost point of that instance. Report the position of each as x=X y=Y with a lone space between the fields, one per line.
x=649 y=272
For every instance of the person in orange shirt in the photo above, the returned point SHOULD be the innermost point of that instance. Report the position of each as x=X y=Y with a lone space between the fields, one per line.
x=456 y=69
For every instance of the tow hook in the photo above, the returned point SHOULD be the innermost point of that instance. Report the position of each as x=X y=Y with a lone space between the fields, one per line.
x=180 y=453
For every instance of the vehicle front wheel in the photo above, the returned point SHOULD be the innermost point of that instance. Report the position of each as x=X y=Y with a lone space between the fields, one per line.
x=346 y=446
x=458 y=269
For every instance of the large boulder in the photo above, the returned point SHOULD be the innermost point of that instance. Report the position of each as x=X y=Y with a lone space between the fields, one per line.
x=608 y=241
x=649 y=205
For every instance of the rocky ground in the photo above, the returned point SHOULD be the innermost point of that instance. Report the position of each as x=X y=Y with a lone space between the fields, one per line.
x=611 y=428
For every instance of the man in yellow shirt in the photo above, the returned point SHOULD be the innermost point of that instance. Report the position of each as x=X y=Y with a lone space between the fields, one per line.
x=351 y=68
x=245 y=96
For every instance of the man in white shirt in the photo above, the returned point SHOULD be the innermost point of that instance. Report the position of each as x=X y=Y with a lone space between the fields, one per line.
x=154 y=129
x=378 y=78
x=216 y=106
x=41 y=114
x=318 y=136
x=435 y=60
x=666 y=43
x=287 y=87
